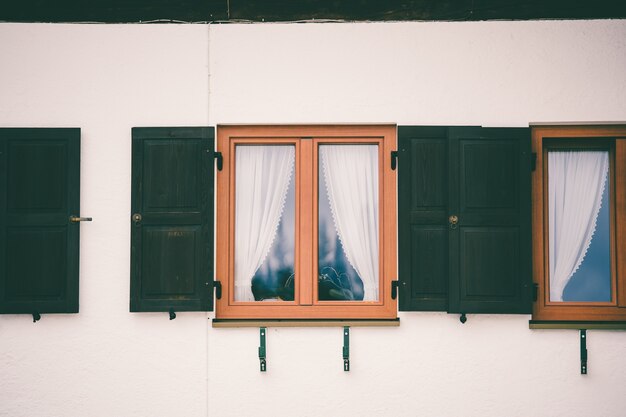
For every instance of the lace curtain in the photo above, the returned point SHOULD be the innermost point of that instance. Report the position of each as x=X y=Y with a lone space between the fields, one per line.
x=575 y=186
x=263 y=173
x=351 y=177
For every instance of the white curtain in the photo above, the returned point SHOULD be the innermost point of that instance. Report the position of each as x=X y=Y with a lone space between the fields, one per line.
x=263 y=173
x=576 y=181
x=351 y=177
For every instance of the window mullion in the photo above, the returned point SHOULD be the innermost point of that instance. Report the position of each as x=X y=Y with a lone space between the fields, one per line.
x=305 y=215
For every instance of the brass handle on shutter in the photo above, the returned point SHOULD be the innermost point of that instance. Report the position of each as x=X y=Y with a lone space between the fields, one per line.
x=75 y=219
x=137 y=218
x=453 y=220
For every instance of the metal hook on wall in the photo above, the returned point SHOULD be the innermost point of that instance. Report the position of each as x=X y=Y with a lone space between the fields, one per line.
x=346 y=348
x=262 y=350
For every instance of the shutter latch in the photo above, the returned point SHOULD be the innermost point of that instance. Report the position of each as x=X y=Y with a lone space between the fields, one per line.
x=76 y=219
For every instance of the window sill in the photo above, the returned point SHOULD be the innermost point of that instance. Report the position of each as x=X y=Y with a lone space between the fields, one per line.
x=577 y=325
x=224 y=323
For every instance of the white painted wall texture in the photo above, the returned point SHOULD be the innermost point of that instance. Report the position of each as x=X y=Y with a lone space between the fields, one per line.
x=106 y=79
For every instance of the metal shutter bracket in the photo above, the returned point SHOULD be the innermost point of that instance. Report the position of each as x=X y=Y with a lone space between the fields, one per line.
x=583 y=351
x=262 y=349
x=346 y=348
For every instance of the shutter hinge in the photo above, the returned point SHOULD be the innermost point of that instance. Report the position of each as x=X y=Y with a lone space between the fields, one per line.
x=533 y=161
x=394 y=160
x=394 y=289
x=220 y=160
x=218 y=289
x=535 y=291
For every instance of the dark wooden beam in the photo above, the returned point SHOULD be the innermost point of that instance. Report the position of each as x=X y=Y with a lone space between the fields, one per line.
x=449 y=10
x=122 y=11
x=113 y=11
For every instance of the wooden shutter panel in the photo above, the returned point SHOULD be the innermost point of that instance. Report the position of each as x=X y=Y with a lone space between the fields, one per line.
x=39 y=246
x=490 y=248
x=172 y=219
x=482 y=264
x=422 y=217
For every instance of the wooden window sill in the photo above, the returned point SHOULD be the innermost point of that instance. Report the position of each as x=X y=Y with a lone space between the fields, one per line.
x=577 y=325
x=223 y=323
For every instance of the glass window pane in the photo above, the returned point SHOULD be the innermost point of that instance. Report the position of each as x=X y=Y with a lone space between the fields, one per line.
x=264 y=223
x=348 y=223
x=579 y=226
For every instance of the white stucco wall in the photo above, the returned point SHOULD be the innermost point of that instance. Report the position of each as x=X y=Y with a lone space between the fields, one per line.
x=106 y=79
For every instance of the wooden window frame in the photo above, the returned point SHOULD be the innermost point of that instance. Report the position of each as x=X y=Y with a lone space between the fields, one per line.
x=613 y=139
x=306 y=139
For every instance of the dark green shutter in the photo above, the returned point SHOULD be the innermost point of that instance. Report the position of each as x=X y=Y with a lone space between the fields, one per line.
x=39 y=246
x=483 y=263
x=172 y=219
x=490 y=249
x=423 y=212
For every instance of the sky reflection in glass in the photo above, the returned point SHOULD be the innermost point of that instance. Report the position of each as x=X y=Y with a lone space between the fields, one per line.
x=337 y=279
x=275 y=278
x=592 y=280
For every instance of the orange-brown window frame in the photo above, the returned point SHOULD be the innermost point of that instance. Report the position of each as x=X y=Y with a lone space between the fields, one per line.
x=606 y=137
x=306 y=139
